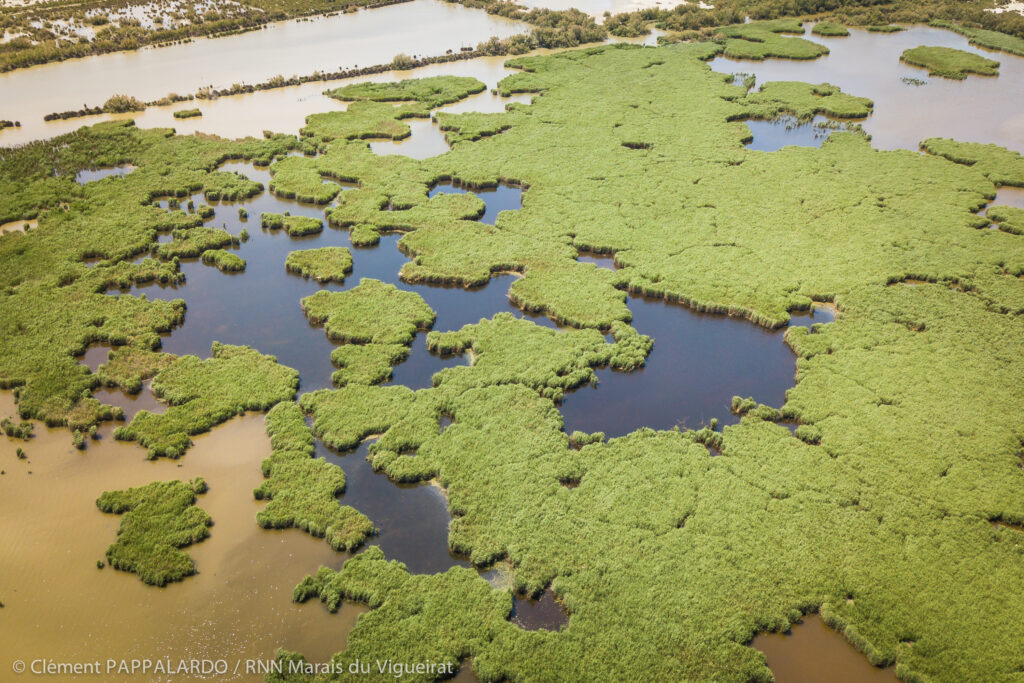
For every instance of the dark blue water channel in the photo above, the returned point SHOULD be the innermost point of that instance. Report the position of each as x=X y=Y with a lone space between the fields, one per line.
x=698 y=364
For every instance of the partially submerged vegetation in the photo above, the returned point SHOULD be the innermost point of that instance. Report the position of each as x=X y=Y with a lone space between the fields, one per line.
x=303 y=489
x=375 y=321
x=908 y=443
x=830 y=29
x=326 y=264
x=225 y=261
x=205 y=393
x=295 y=226
x=187 y=113
x=159 y=519
x=949 y=62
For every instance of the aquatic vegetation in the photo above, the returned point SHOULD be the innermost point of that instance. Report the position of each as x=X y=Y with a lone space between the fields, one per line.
x=204 y=393
x=21 y=430
x=224 y=260
x=364 y=120
x=188 y=113
x=764 y=39
x=724 y=229
x=884 y=28
x=159 y=519
x=302 y=489
x=128 y=366
x=326 y=264
x=1002 y=166
x=949 y=62
x=120 y=104
x=1009 y=218
x=192 y=242
x=375 y=321
x=993 y=40
x=805 y=101
x=440 y=619
x=295 y=226
x=295 y=179
x=829 y=29
x=373 y=312
x=432 y=92
x=506 y=350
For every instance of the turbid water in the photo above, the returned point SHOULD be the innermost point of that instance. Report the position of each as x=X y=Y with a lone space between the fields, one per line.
x=240 y=600
x=58 y=605
x=344 y=41
x=868 y=64
x=811 y=651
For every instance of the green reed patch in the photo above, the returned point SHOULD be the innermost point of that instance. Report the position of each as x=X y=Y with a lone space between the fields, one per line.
x=187 y=113
x=830 y=29
x=295 y=226
x=1009 y=218
x=806 y=101
x=374 y=312
x=441 y=618
x=993 y=40
x=1002 y=166
x=764 y=39
x=364 y=120
x=205 y=393
x=325 y=264
x=303 y=489
x=159 y=519
x=225 y=261
x=949 y=62
x=433 y=91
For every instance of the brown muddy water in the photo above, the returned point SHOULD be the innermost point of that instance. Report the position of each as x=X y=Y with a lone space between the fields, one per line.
x=58 y=605
x=811 y=651
x=867 y=64
x=345 y=41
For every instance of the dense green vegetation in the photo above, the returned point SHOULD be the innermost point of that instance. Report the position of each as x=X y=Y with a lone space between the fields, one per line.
x=949 y=62
x=17 y=430
x=763 y=39
x=159 y=519
x=226 y=261
x=993 y=40
x=187 y=113
x=375 y=321
x=204 y=393
x=302 y=489
x=432 y=92
x=326 y=264
x=1001 y=166
x=372 y=313
x=910 y=433
x=830 y=29
x=881 y=473
x=295 y=226
x=1009 y=218
x=441 y=618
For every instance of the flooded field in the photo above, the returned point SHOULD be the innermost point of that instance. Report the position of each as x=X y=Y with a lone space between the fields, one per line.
x=240 y=601
x=364 y=38
x=867 y=64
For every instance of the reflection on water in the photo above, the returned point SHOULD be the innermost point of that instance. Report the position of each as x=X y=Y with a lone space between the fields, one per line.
x=130 y=403
x=818 y=314
x=497 y=199
x=786 y=131
x=88 y=176
x=811 y=651
x=600 y=260
x=412 y=518
x=542 y=613
x=868 y=65
x=597 y=8
x=699 y=362
x=363 y=38
x=60 y=606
